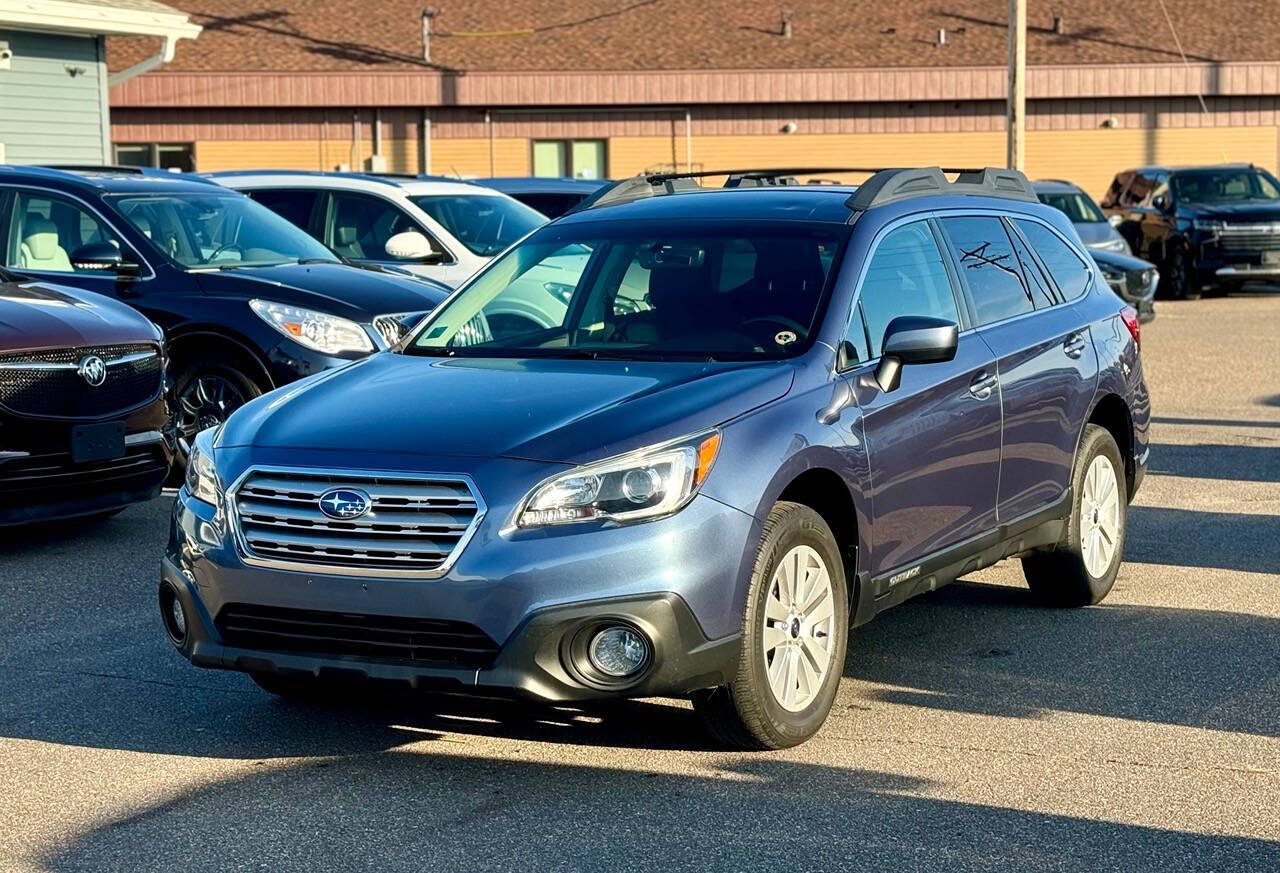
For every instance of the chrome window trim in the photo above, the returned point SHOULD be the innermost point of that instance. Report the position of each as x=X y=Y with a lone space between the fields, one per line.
x=110 y=275
x=246 y=555
x=75 y=365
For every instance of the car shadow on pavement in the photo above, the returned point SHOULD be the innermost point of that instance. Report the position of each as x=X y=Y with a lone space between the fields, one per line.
x=1260 y=463
x=428 y=808
x=1194 y=538
x=990 y=649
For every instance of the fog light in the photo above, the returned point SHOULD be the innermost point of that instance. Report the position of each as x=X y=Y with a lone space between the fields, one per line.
x=172 y=613
x=619 y=652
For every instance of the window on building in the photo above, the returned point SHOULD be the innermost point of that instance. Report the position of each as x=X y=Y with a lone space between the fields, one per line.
x=575 y=158
x=167 y=156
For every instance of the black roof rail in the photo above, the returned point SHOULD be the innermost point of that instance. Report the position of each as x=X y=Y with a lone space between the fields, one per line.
x=888 y=186
x=652 y=184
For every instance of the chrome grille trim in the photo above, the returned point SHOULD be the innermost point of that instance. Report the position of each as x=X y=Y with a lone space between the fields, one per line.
x=418 y=525
x=30 y=364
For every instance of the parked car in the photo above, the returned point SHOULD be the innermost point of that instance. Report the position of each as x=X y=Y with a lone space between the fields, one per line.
x=438 y=228
x=807 y=420
x=82 y=405
x=442 y=229
x=552 y=197
x=1211 y=229
x=247 y=302
x=1133 y=279
x=1095 y=230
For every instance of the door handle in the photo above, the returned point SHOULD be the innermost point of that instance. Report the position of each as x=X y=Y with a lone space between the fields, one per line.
x=981 y=386
x=1074 y=345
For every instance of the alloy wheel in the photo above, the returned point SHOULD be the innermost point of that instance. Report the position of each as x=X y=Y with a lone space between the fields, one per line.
x=798 y=618
x=205 y=402
x=1099 y=516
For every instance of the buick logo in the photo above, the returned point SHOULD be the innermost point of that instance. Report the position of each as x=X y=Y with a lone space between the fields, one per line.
x=93 y=370
x=344 y=503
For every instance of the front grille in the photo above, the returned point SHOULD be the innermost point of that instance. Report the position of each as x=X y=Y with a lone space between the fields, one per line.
x=47 y=384
x=430 y=642
x=1250 y=238
x=414 y=524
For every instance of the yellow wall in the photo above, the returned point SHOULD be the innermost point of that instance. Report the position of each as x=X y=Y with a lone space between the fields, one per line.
x=1087 y=157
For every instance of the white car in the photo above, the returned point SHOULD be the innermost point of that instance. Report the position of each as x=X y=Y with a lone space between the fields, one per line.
x=438 y=228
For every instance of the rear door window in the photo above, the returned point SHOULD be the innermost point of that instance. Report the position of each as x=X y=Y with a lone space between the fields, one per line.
x=1070 y=273
x=989 y=266
x=905 y=276
x=293 y=204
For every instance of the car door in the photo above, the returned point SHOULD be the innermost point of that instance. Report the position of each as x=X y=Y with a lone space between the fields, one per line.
x=1044 y=356
x=934 y=443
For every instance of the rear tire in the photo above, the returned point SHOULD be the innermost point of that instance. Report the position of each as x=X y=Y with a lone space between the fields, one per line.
x=795 y=631
x=1081 y=569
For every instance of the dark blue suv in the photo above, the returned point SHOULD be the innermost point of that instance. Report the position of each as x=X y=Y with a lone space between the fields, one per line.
x=247 y=301
x=762 y=416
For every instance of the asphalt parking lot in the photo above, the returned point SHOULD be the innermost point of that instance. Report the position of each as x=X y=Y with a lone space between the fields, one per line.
x=973 y=731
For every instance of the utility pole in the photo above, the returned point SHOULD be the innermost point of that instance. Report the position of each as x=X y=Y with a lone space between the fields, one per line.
x=1017 y=101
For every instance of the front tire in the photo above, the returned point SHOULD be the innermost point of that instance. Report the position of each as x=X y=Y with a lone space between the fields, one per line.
x=1081 y=569
x=795 y=631
x=1179 y=278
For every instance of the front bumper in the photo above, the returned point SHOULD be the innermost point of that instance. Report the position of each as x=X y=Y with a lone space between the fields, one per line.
x=675 y=579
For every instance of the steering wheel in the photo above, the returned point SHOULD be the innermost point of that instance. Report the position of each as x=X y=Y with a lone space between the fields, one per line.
x=222 y=248
x=791 y=324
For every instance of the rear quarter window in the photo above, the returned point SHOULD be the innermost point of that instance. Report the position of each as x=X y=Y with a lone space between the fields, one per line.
x=1070 y=273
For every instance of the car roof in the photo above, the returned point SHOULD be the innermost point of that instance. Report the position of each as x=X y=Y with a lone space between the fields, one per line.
x=106 y=179
x=389 y=182
x=1055 y=186
x=543 y=185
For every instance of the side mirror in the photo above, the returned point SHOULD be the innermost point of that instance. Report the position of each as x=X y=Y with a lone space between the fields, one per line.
x=1115 y=220
x=101 y=257
x=410 y=245
x=1160 y=202
x=914 y=339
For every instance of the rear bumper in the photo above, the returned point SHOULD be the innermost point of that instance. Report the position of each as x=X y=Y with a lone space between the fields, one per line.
x=540 y=661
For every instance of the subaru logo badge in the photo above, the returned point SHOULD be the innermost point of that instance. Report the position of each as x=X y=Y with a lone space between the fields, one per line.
x=344 y=503
x=93 y=370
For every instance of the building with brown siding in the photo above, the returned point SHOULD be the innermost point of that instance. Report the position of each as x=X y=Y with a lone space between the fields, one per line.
x=613 y=87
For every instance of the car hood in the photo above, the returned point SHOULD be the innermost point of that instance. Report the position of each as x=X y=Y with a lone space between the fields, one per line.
x=1239 y=212
x=1127 y=263
x=340 y=289
x=566 y=411
x=36 y=315
x=1093 y=233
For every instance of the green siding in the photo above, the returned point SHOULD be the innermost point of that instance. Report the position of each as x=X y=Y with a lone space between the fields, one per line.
x=48 y=115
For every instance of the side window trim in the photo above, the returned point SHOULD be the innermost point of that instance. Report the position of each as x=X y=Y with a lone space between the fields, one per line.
x=1022 y=246
x=968 y=318
x=1053 y=282
x=16 y=191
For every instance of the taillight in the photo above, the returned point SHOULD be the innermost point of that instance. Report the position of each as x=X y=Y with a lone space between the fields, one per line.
x=1129 y=316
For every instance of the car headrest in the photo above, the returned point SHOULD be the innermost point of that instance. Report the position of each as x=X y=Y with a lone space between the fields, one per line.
x=40 y=236
x=344 y=235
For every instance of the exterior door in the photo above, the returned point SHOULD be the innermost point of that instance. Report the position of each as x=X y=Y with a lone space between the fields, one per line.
x=934 y=443
x=1045 y=358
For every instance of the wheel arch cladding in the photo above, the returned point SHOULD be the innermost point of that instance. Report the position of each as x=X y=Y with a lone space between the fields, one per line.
x=1112 y=414
x=825 y=492
x=194 y=345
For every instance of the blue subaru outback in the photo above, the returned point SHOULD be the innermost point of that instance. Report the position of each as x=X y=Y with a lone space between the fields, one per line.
x=759 y=416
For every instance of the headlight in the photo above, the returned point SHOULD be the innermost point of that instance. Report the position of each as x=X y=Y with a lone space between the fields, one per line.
x=393 y=327
x=315 y=330
x=1205 y=224
x=202 y=477
x=640 y=485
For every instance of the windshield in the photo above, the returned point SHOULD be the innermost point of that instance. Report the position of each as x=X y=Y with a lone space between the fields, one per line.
x=219 y=229
x=485 y=224
x=1078 y=207
x=644 y=291
x=1224 y=186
